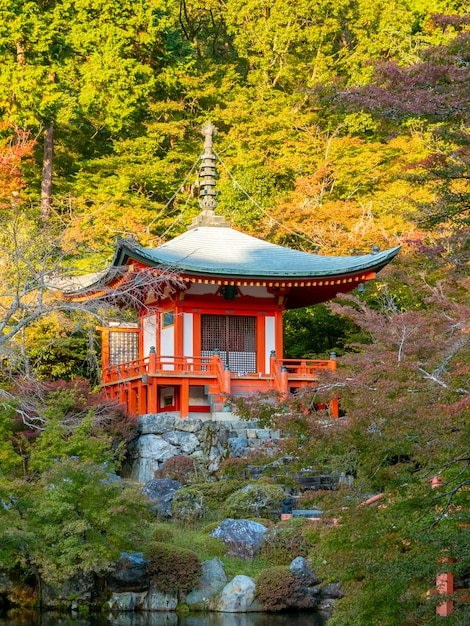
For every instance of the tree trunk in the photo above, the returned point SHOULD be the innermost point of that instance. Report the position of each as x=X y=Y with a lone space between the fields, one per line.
x=46 y=186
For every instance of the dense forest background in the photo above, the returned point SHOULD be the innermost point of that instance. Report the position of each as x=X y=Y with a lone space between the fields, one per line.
x=341 y=125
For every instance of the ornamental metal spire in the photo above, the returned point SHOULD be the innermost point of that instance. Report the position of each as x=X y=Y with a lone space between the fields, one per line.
x=207 y=177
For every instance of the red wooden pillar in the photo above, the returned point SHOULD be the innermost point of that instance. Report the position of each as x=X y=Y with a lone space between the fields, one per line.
x=104 y=352
x=123 y=395
x=184 y=398
x=179 y=330
x=132 y=400
x=279 y=348
x=142 y=399
x=152 y=396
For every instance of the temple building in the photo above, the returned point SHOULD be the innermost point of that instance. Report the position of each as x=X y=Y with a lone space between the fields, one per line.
x=210 y=305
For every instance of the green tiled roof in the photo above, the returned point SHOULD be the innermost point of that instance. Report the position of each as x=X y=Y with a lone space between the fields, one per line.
x=226 y=252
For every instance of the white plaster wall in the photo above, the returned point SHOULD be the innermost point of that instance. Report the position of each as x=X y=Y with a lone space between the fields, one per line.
x=149 y=327
x=197 y=396
x=270 y=339
x=187 y=334
x=167 y=345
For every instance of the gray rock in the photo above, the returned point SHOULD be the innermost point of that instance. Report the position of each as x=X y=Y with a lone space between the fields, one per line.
x=242 y=537
x=156 y=424
x=161 y=492
x=302 y=567
x=129 y=574
x=189 y=425
x=82 y=588
x=237 y=446
x=150 y=451
x=186 y=442
x=157 y=600
x=144 y=469
x=331 y=591
x=212 y=580
x=238 y=596
x=126 y=601
x=155 y=447
x=264 y=433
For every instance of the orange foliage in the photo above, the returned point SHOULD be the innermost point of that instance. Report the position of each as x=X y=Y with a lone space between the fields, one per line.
x=15 y=150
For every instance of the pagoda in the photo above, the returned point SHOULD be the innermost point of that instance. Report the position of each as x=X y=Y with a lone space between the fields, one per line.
x=210 y=324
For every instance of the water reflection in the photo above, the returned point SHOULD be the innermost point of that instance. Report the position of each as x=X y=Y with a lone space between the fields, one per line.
x=31 y=618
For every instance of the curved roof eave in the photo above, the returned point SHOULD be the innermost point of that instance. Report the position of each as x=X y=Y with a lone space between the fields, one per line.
x=299 y=264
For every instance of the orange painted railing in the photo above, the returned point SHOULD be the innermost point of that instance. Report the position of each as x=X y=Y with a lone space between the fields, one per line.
x=154 y=364
x=307 y=367
x=140 y=375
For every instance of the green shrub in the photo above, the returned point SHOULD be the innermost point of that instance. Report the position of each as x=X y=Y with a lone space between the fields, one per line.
x=172 y=568
x=277 y=588
x=284 y=542
x=254 y=500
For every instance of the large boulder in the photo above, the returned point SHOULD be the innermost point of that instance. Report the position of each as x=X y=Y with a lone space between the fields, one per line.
x=238 y=596
x=212 y=580
x=160 y=492
x=150 y=451
x=157 y=600
x=82 y=588
x=126 y=601
x=186 y=442
x=129 y=575
x=242 y=537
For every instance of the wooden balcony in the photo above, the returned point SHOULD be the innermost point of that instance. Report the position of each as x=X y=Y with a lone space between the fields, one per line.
x=137 y=383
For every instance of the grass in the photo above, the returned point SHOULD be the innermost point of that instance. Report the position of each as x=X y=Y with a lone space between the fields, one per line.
x=207 y=548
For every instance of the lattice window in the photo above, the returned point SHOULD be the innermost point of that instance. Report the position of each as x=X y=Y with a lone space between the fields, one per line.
x=234 y=336
x=123 y=347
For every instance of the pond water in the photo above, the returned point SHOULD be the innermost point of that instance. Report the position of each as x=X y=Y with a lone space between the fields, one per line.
x=32 y=618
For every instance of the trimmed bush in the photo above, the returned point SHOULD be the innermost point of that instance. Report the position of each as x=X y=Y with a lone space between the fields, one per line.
x=254 y=500
x=172 y=568
x=277 y=588
x=178 y=467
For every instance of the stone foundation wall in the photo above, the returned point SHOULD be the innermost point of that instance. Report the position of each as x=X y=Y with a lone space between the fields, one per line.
x=163 y=435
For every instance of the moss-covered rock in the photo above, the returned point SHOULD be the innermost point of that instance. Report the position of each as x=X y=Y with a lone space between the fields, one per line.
x=254 y=500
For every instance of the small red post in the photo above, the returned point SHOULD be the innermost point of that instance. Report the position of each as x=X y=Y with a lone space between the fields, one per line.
x=444 y=581
x=445 y=586
x=334 y=407
x=227 y=380
x=152 y=360
x=284 y=380
x=332 y=363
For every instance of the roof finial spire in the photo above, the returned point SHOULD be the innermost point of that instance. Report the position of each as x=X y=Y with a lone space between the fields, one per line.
x=208 y=171
x=207 y=177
